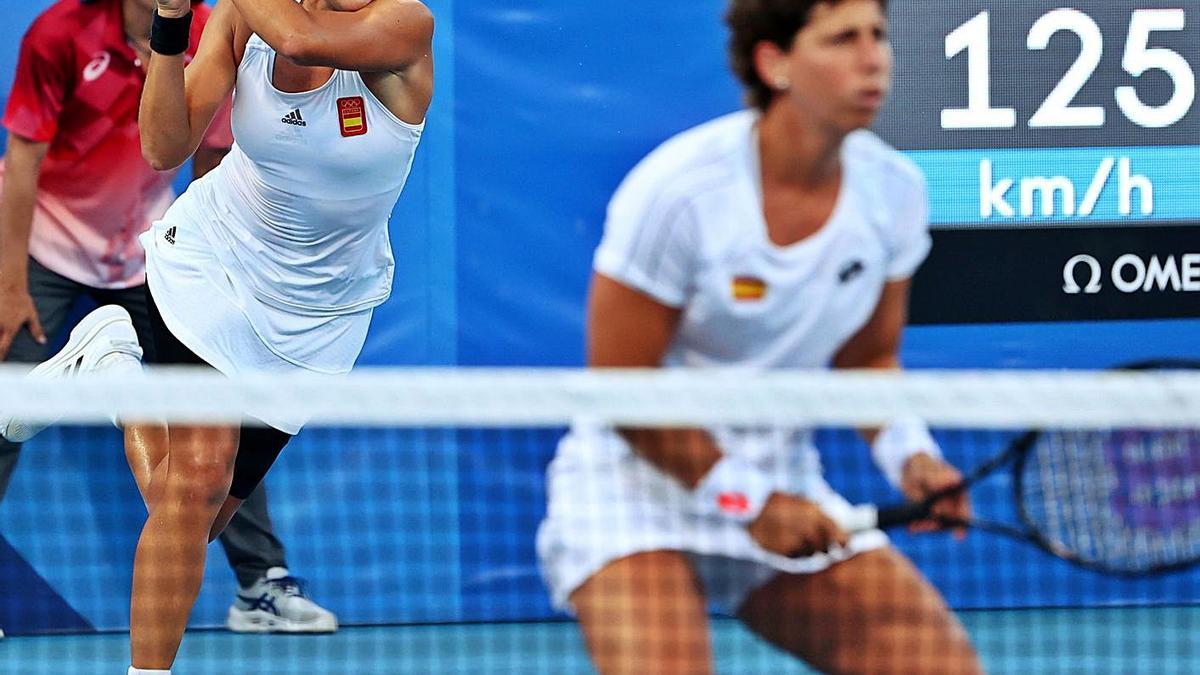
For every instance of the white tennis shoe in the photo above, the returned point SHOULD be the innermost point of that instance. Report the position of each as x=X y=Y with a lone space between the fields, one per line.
x=103 y=340
x=276 y=603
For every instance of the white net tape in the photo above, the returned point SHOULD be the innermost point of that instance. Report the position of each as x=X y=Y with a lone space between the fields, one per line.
x=484 y=398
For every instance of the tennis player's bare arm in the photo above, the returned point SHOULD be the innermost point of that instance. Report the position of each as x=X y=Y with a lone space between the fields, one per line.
x=877 y=345
x=177 y=105
x=390 y=42
x=628 y=329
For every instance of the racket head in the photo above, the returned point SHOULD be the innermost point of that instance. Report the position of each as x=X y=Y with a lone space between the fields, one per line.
x=1123 y=501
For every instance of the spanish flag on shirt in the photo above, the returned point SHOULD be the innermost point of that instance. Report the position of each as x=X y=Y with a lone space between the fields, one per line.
x=747 y=288
x=352 y=116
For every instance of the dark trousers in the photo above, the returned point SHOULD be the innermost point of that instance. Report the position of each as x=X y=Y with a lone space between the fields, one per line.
x=248 y=540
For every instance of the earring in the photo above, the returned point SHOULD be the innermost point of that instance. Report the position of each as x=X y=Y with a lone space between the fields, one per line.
x=782 y=84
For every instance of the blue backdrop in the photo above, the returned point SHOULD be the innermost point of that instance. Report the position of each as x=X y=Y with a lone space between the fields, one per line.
x=539 y=112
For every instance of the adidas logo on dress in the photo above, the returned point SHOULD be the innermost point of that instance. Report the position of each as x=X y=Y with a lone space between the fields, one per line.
x=294 y=118
x=170 y=235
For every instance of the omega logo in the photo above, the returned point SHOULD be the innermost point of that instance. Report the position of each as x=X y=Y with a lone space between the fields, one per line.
x=1132 y=273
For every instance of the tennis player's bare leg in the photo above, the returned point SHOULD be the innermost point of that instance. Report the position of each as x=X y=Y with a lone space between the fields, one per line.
x=186 y=493
x=645 y=615
x=873 y=613
x=146 y=452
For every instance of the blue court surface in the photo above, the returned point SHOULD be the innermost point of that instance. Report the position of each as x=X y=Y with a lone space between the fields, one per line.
x=1162 y=640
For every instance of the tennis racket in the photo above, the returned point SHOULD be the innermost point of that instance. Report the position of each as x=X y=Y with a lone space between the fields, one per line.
x=1118 y=501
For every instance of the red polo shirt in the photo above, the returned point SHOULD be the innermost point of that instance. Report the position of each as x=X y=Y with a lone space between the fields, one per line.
x=77 y=87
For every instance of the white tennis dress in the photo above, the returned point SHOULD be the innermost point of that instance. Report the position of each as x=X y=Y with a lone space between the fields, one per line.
x=687 y=227
x=274 y=260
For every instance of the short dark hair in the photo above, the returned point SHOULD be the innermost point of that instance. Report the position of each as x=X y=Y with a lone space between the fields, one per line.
x=753 y=21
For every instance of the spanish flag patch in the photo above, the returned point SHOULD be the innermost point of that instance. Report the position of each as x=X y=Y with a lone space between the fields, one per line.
x=746 y=289
x=352 y=115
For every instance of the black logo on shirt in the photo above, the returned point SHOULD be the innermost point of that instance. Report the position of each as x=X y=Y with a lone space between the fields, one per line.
x=294 y=118
x=850 y=270
x=170 y=235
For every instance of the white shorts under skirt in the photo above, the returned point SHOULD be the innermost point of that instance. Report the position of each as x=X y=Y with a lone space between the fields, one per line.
x=604 y=506
x=222 y=323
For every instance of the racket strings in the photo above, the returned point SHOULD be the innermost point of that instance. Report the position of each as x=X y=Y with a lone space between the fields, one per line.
x=1127 y=500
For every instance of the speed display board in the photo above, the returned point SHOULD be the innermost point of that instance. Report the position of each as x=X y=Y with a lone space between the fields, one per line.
x=1061 y=142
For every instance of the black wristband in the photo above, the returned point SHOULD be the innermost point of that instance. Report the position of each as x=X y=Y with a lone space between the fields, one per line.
x=170 y=37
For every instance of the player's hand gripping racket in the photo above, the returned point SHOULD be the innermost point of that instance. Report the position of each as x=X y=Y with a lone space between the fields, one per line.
x=1121 y=501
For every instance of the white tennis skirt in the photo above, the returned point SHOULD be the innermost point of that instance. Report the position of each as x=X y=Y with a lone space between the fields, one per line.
x=606 y=503
x=223 y=323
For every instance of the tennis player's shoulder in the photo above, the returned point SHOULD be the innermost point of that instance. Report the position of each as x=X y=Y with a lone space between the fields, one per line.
x=884 y=162
x=690 y=164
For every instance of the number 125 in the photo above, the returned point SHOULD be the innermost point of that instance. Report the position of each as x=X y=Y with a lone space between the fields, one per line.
x=1057 y=111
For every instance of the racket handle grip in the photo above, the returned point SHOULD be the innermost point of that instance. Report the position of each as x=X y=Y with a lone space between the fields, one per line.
x=864 y=517
x=902 y=514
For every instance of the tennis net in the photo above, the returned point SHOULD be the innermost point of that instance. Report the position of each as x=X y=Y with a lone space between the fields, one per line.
x=411 y=504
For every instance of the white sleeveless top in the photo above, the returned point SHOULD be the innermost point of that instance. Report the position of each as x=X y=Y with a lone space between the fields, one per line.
x=310 y=184
x=292 y=227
